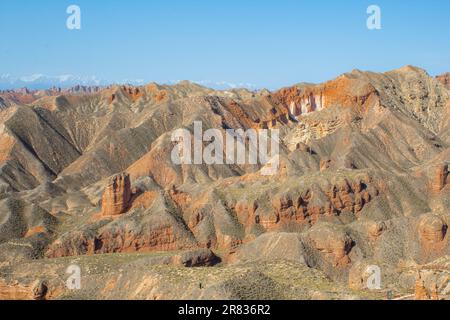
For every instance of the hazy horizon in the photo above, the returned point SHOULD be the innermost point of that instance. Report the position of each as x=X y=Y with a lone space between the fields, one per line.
x=44 y=82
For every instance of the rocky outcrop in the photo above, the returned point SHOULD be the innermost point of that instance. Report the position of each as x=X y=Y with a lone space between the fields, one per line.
x=420 y=291
x=334 y=244
x=196 y=258
x=137 y=234
x=440 y=178
x=432 y=229
x=325 y=164
x=293 y=102
x=444 y=79
x=158 y=238
x=375 y=229
x=74 y=243
x=434 y=294
x=311 y=205
x=117 y=196
x=14 y=292
x=155 y=228
x=40 y=290
x=181 y=199
x=17 y=291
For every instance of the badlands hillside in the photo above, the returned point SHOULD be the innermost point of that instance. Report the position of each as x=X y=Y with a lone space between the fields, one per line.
x=86 y=179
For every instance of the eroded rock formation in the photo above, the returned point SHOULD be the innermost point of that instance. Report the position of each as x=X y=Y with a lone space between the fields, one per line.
x=440 y=179
x=17 y=291
x=334 y=244
x=117 y=196
x=420 y=291
x=432 y=229
x=312 y=204
x=444 y=79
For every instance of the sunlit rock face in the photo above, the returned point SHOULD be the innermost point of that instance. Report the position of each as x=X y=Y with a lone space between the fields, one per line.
x=117 y=196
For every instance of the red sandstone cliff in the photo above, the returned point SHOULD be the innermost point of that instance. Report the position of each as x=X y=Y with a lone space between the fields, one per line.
x=117 y=196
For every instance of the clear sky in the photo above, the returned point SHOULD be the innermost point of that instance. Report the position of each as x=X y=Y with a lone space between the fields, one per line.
x=266 y=43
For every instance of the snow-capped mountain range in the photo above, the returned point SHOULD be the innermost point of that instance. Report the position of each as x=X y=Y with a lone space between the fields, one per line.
x=42 y=81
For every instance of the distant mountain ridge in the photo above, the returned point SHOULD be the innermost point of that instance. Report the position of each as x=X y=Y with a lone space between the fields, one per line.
x=41 y=81
x=45 y=82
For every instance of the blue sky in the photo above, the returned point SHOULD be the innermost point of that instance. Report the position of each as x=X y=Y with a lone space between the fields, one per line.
x=265 y=43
